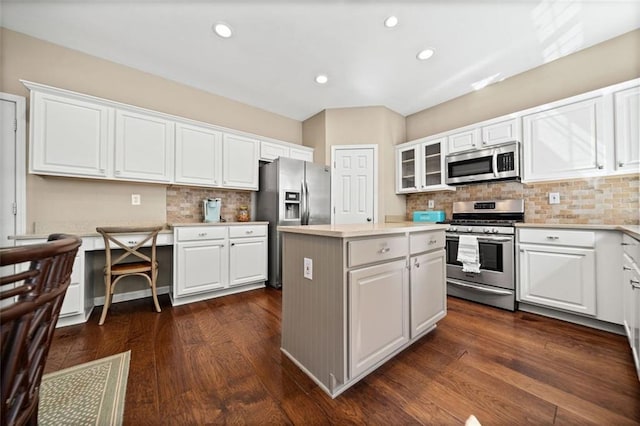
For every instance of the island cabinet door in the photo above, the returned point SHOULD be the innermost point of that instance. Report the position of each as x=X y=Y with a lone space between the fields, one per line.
x=378 y=313
x=428 y=291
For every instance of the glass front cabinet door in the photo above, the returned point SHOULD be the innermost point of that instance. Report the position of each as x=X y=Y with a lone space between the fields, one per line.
x=407 y=169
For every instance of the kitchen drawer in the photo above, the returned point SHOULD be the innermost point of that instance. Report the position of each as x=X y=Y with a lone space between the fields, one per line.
x=132 y=240
x=426 y=241
x=562 y=237
x=631 y=246
x=247 y=231
x=373 y=250
x=201 y=233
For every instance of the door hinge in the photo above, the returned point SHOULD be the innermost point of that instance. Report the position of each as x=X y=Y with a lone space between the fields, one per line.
x=14 y=208
x=15 y=125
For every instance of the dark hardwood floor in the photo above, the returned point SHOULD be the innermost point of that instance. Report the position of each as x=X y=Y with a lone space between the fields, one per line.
x=219 y=362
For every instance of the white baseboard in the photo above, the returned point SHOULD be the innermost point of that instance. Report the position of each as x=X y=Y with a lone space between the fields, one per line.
x=124 y=297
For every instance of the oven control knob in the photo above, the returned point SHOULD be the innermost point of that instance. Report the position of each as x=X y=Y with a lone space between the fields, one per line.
x=453 y=229
x=494 y=231
x=469 y=229
x=486 y=230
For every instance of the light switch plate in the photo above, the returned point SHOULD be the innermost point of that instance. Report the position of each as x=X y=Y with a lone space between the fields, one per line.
x=554 y=198
x=135 y=199
x=308 y=268
x=431 y=204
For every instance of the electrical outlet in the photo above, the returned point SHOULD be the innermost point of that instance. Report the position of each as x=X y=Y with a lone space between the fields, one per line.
x=431 y=204
x=135 y=199
x=554 y=198
x=308 y=268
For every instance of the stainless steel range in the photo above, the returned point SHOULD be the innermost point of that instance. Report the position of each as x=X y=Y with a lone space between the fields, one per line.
x=492 y=223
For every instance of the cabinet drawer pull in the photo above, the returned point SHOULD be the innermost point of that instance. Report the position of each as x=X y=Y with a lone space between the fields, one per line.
x=552 y=237
x=433 y=241
x=202 y=234
x=249 y=232
x=384 y=250
x=627 y=244
x=626 y=268
x=132 y=242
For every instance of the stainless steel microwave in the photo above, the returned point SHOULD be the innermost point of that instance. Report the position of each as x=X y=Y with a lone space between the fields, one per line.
x=498 y=162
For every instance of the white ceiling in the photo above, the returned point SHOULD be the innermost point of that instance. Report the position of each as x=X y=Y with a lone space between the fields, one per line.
x=278 y=47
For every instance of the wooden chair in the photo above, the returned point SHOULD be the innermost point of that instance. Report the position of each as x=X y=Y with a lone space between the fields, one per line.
x=31 y=302
x=115 y=270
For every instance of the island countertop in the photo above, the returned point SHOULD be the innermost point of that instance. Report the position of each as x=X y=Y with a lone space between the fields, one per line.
x=362 y=229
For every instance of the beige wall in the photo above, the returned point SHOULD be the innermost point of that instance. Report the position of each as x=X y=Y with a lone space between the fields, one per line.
x=362 y=126
x=607 y=63
x=57 y=200
x=314 y=135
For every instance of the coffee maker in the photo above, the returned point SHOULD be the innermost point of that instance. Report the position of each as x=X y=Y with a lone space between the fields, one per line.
x=211 y=208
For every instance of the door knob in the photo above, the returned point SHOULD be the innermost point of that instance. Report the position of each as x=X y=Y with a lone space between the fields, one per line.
x=369 y=219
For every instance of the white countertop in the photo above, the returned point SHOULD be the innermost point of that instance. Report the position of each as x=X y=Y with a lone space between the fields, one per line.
x=632 y=230
x=176 y=225
x=362 y=229
x=83 y=233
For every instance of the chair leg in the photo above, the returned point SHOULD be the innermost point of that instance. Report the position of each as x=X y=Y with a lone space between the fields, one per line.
x=154 y=292
x=107 y=298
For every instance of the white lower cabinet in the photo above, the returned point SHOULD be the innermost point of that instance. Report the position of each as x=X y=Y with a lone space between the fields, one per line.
x=558 y=277
x=215 y=260
x=631 y=295
x=428 y=290
x=201 y=267
x=247 y=255
x=73 y=303
x=378 y=313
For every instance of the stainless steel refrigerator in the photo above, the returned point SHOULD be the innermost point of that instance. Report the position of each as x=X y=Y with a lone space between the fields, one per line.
x=292 y=192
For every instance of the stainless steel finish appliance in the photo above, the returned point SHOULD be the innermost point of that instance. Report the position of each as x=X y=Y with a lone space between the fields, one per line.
x=492 y=222
x=499 y=162
x=292 y=192
x=211 y=208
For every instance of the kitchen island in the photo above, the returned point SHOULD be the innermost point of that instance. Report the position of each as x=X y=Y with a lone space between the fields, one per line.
x=353 y=296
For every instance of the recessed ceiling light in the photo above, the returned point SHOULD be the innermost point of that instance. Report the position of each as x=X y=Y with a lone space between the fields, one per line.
x=391 y=21
x=321 y=79
x=222 y=29
x=425 y=54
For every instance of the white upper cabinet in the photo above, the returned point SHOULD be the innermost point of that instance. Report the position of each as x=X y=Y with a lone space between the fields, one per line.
x=565 y=141
x=627 y=128
x=69 y=136
x=407 y=170
x=464 y=140
x=301 y=154
x=270 y=150
x=420 y=166
x=500 y=132
x=240 y=162
x=198 y=159
x=143 y=147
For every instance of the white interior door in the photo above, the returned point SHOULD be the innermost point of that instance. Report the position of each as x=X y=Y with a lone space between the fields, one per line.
x=12 y=164
x=354 y=184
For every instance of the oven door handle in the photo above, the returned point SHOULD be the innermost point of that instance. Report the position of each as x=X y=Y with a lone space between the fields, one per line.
x=487 y=239
x=495 y=163
x=480 y=289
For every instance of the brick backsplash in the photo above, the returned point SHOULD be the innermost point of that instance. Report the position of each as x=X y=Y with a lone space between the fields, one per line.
x=184 y=203
x=603 y=200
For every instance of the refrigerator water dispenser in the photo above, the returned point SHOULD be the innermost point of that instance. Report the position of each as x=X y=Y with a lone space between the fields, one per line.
x=291 y=205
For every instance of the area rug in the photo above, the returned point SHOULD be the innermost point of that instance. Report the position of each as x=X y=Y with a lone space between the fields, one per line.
x=87 y=394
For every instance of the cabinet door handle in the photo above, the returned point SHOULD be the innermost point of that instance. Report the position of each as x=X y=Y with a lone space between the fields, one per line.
x=626 y=268
x=634 y=284
x=627 y=244
x=552 y=237
x=620 y=164
x=600 y=167
x=233 y=244
x=416 y=263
